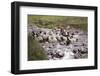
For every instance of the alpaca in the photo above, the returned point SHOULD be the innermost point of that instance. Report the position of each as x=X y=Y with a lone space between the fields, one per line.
x=52 y=38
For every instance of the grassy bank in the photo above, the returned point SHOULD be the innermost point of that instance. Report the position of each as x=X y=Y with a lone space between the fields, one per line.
x=58 y=21
x=35 y=51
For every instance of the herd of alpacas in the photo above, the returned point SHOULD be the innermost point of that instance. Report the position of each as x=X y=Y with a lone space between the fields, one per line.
x=61 y=43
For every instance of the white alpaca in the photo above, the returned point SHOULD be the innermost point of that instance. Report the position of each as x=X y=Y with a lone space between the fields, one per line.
x=58 y=37
x=74 y=38
x=52 y=38
x=40 y=38
x=44 y=36
x=65 y=38
x=60 y=52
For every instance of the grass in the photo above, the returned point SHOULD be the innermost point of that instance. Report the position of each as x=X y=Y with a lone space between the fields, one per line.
x=58 y=21
x=35 y=51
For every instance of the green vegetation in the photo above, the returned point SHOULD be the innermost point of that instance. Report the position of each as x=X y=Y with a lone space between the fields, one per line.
x=58 y=21
x=35 y=51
